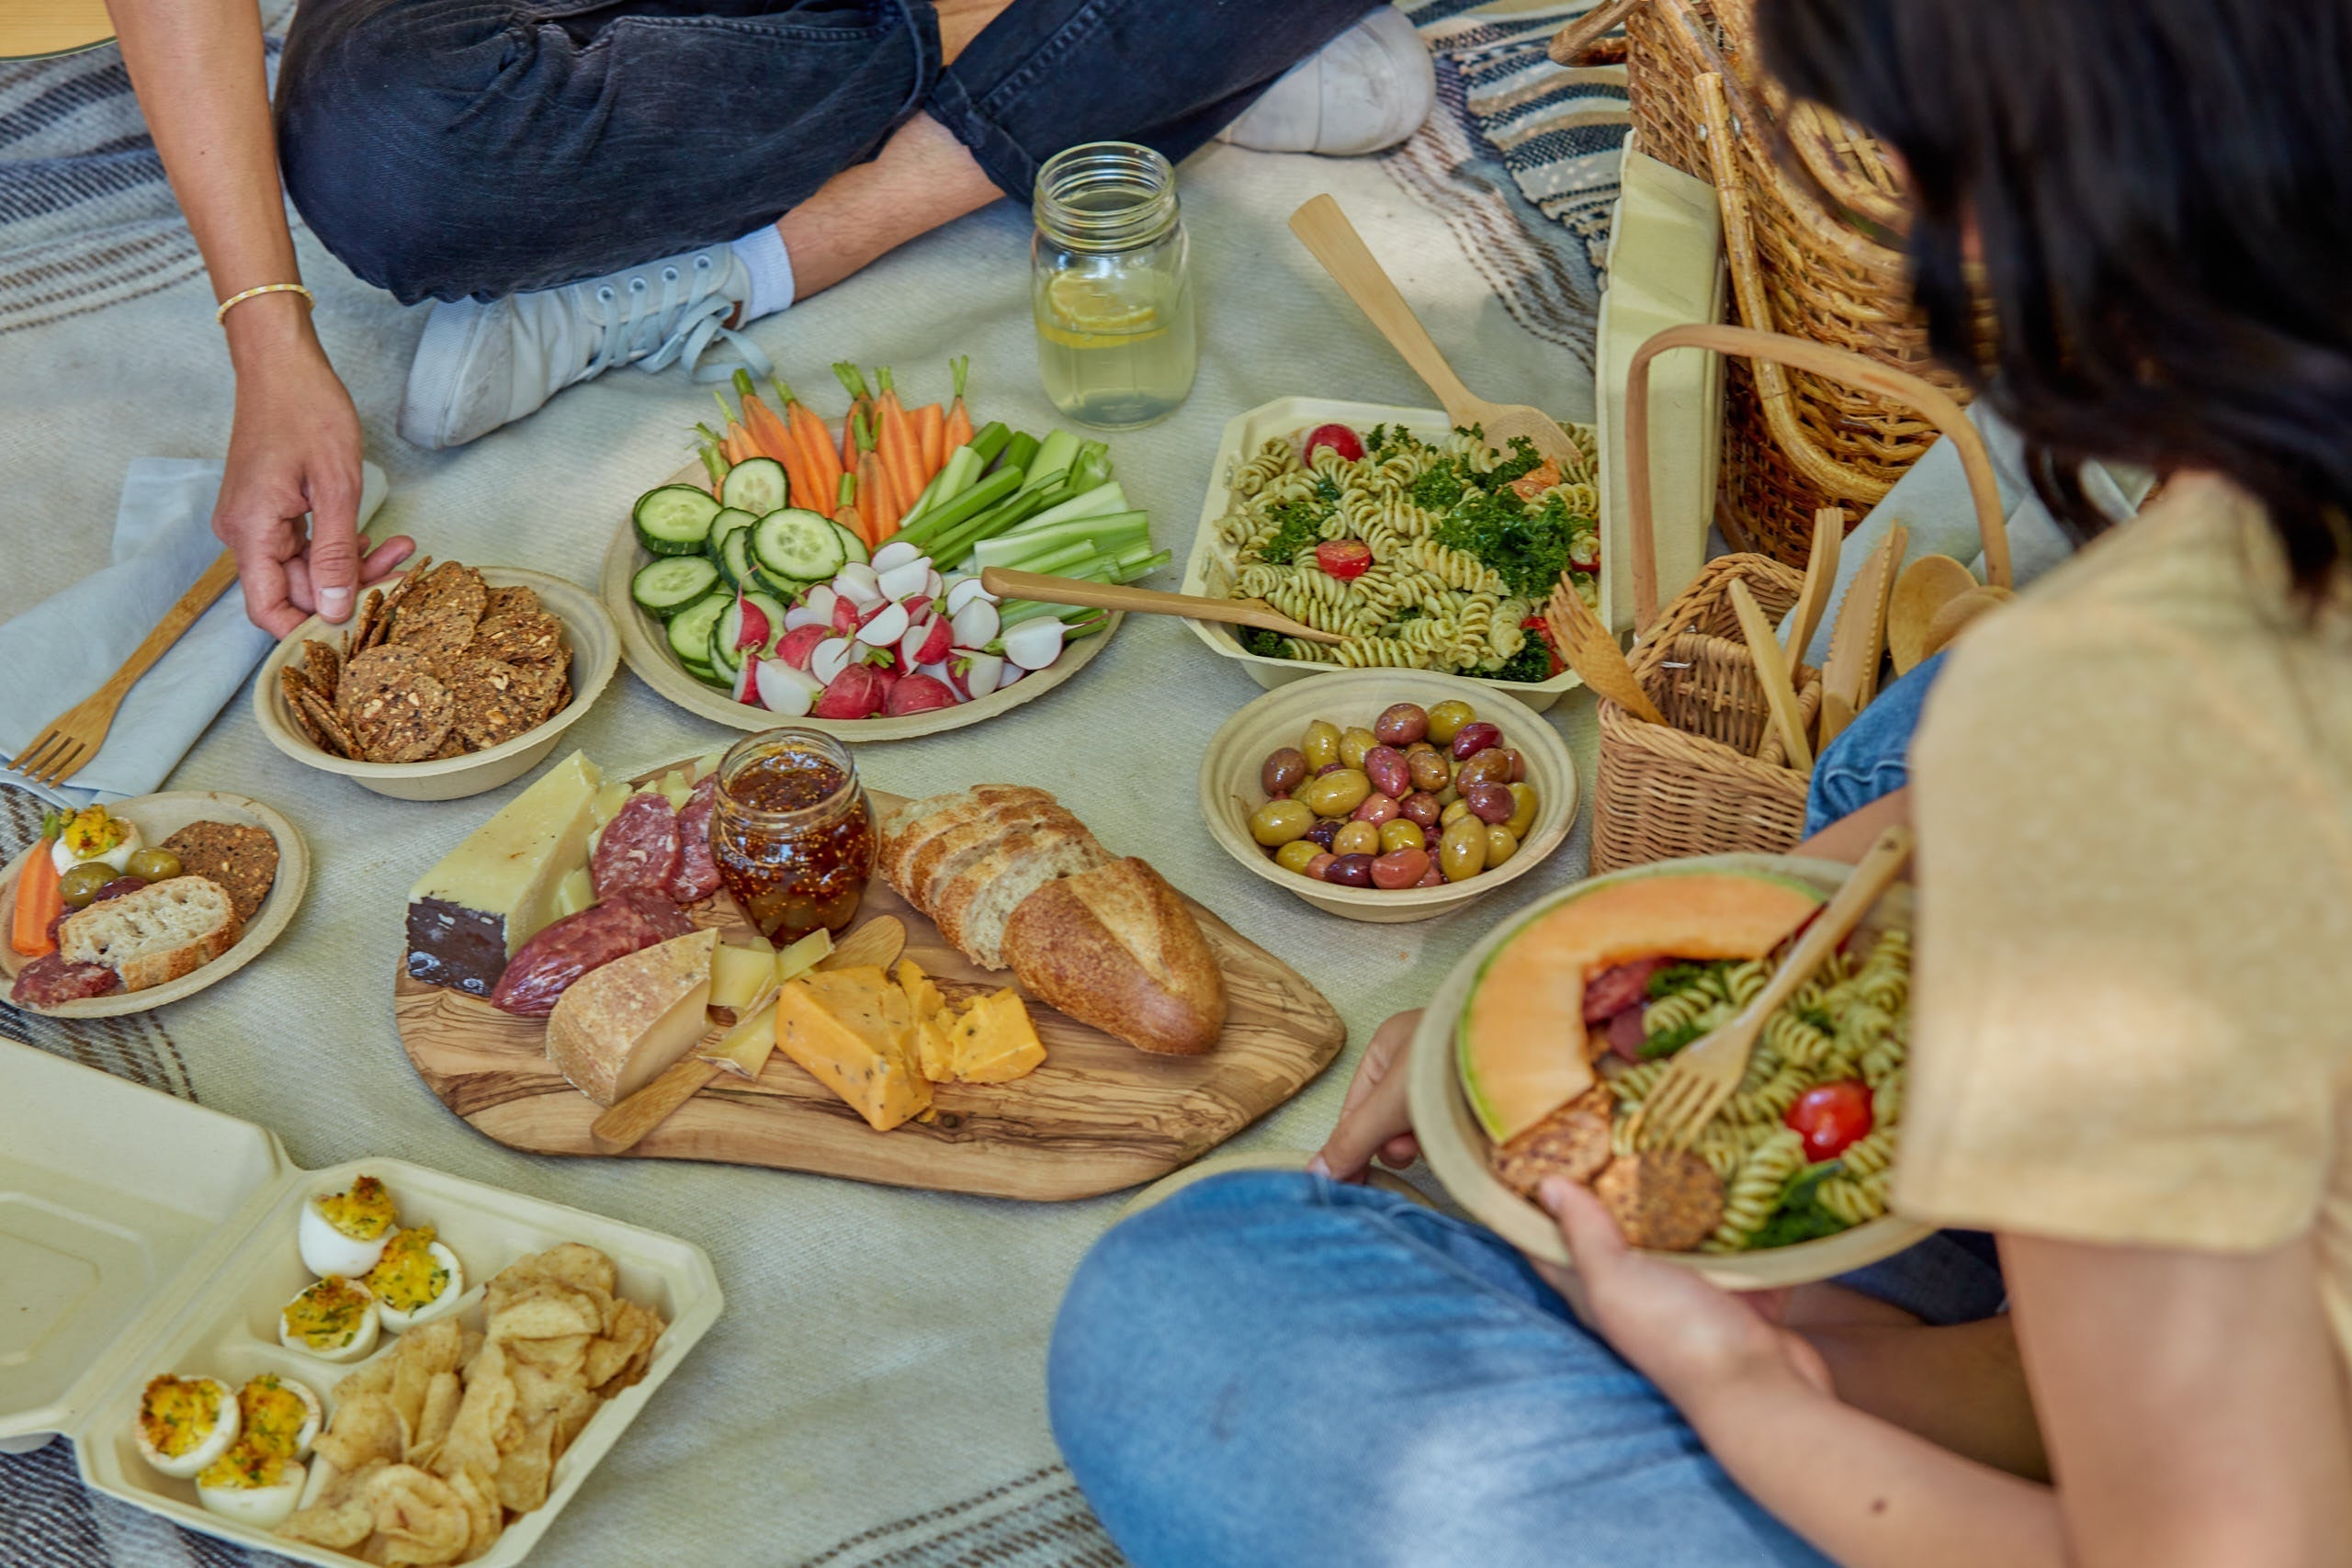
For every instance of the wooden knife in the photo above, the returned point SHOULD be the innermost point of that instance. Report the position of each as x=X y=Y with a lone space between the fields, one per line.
x=1857 y=640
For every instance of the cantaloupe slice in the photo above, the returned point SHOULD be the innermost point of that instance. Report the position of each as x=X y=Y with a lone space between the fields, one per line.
x=1521 y=1037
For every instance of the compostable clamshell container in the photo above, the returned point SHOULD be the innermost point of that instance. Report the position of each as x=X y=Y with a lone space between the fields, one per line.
x=142 y=1235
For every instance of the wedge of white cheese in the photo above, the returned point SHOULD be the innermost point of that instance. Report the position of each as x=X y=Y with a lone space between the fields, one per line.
x=617 y=1027
x=493 y=892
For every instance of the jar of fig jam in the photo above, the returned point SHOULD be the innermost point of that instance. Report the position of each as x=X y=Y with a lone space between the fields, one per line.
x=792 y=832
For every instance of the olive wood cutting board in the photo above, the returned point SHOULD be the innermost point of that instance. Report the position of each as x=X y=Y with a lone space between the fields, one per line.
x=1097 y=1117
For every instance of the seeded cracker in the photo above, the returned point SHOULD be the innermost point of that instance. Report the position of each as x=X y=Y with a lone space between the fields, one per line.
x=369 y=674
x=1664 y=1199
x=325 y=725
x=531 y=637
x=239 y=858
x=439 y=617
x=404 y=721
x=381 y=628
x=322 y=664
x=515 y=600
x=497 y=701
x=293 y=687
x=370 y=608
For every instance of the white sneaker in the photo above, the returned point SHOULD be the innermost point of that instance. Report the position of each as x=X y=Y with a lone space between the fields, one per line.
x=1368 y=88
x=483 y=364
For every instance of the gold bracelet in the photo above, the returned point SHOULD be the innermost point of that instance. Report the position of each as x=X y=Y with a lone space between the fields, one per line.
x=222 y=310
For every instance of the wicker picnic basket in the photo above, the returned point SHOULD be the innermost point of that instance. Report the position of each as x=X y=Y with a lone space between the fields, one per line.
x=1715 y=779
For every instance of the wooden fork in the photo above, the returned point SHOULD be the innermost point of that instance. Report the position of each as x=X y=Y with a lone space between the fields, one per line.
x=1704 y=1073
x=74 y=737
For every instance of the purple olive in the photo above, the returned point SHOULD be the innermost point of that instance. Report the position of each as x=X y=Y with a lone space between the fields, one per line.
x=1401 y=724
x=1376 y=809
x=1518 y=764
x=1474 y=738
x=1429 y=768
x=1283 y=772
x=1349 y=870
x=1326 y=829
x=1330 y=768
x=1490 y=802
x=1489 y=766
x=1400 y=868
x=1421 y=807
x=1389 y=771
x=117 y=887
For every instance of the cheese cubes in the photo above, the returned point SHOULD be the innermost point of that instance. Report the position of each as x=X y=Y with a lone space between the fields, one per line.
x=881 y=1041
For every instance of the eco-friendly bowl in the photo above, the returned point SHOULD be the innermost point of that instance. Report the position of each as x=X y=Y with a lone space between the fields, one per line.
x=1457 y=1147
x=1229 y=790
x=596 y=650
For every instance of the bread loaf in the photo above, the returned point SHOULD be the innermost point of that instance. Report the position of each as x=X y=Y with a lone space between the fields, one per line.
x=154 y=936
x=906 y=830
x=972 y=907
x=1116 y=947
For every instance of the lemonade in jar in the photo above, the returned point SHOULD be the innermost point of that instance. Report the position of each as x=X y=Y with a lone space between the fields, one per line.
x=1117 y=333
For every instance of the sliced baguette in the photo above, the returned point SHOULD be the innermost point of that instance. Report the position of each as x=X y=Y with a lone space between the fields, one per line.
x=946 y=856
x=906 y=831
x=1117 y=948
x=154 y=936
x=972 y=908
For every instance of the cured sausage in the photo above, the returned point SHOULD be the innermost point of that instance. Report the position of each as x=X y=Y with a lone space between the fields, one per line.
x=561 y=952
x=50 y=980
x=1614 y=990
x=697 y=873
x=639 y=849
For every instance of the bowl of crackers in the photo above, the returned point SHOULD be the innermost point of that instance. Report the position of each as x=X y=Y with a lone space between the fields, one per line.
x=449 y=681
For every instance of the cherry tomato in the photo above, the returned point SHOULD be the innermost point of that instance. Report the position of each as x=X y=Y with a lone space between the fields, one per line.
x=1340 y=438
x=1830 y=1116
x=1542 y=629
x=1343 y=558
x=1584 y=552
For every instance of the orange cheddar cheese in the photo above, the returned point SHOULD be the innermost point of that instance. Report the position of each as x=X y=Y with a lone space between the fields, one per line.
x=838 y=1034
x=995 y=1043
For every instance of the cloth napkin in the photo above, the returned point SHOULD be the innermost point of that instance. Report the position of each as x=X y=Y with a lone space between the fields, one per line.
x=1931 y=501
x=62 y=649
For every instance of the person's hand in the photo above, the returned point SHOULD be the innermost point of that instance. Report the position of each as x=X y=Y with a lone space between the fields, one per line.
x=1373 y=1119
x=1690 y=1338
x=294 y=449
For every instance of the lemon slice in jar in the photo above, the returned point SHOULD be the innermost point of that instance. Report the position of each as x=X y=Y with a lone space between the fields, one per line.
x=1089 y=313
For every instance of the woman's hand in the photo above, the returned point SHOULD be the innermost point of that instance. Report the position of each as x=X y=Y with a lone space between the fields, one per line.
x=294 y=449
x=1688 y=1337
x=1373 y=1119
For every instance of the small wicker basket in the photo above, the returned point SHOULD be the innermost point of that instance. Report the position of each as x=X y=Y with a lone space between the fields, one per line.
x=1715 y=779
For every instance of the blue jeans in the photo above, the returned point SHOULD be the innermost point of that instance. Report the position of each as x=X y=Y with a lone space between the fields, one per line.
x=1281 y=1370
x=448 y=148
x=1872 y=756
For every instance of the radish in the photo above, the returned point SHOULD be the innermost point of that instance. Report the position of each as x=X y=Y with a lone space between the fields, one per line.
x=1340 y=438
x=917 y=607
x=1034 y=645
x=801 y=642
x=976 y=625
x=919 y=694
x=884 y=627
x=935 y=585
x=938 y=671
x=977 y=674
x=927 y=643
x=847 y=615
x=905 y=581
x=964 y=590
x=801 y=615
x=897 y=552
x=1011 y=673
x=751 y=625
x=857 y=581
x=828 y=658
x=820 y=598
x=747 y=688
x=855 y=692
x=889 y=677
x=785 y=689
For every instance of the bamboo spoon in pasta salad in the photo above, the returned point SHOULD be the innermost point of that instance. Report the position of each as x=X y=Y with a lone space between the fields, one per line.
x=1326 y=232
x=1007 y=584
x=1702 y=1075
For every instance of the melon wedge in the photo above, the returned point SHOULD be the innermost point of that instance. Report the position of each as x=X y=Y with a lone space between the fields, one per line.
x=1521 y=1037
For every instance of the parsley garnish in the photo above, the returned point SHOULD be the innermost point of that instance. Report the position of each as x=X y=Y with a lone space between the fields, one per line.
x=1532 y=663
x=1528 y=549
x=1259 y=640
x=1799 y=1216
x=1298 y=528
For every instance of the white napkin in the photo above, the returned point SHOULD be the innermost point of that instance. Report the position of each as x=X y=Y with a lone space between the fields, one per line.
x=59 y=651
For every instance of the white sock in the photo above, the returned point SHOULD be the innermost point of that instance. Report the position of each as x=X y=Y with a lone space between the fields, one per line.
x=764 y=256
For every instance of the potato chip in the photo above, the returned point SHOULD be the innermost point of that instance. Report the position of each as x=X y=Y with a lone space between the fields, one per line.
x=550 y=1311
x=523 y=1473
x=420 y=1520
x=340 y=1520
x=485 y=1518
x=482 y=1414
x=440 y=1345
x=442 y=1397
x=574 y=1263
x=366 y=1430
x=617 y=1360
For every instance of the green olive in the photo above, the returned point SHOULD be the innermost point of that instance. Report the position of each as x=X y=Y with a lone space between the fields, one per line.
x=1522 y=815
x=1454 y=811
x=1401 y=833
x=1357 y=839
x=1501 y=844
x=1321 y=744
x=1356 y=744
x=1297 y=855
x=155 y=865
x=1447 y=719
x=1335 y=795
x=1279 y=822
x=1461 y=854
x=78 y=886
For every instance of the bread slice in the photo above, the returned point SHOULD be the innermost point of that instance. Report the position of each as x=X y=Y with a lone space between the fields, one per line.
x=946 y=856
x=1118 y=947
x=906 y=831
x=972 y=908
x=165 y=930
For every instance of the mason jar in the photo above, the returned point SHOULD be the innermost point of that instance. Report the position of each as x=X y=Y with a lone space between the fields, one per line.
x=1110 y=287
x=791 y=832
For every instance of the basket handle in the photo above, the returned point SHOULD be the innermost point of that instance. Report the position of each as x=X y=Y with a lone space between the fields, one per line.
x=1840 y=365
x=1569 y=43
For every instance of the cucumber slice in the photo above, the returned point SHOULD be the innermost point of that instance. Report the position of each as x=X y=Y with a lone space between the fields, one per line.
x=727 y=647
x=858 y=553
x=663 y=587
x=725 y=659
x=710 y=677
x=735 y=562
x=772 y=607
x=728 y=522
x=689 y=629
x=673 y=520
x=797 y=545
x=755 y=485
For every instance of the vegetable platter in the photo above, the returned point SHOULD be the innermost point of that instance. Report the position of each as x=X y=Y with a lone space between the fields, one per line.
x=1215 y=568
x=831 y=578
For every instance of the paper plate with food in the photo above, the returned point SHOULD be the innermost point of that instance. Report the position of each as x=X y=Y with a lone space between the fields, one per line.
x=1422 y=545
x=120 y=908
x=649 y=966
x=831 y=578
x=1543 y=1042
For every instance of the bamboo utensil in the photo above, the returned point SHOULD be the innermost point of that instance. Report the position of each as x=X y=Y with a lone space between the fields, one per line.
x=1326 y=232
x=623 y=1126
x=1591 y=650
x=1925 y=586
x=1772 y=673
x=1858 y=638
x=70 y=741
x=1703 y=1074
x=1958 y=614
x=1007 y=584
x=1820 y=577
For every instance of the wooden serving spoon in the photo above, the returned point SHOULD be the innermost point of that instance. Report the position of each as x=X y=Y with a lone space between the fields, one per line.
x=1820 y=577
x=1925 y=586
x=1592 y=652
x=1327 y=232
x=1007 y=584
x=621 y=1128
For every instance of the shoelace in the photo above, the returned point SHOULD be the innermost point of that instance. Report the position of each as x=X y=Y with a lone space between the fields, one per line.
x=679 y=329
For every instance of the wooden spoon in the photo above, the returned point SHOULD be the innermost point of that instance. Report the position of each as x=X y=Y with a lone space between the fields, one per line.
x=1335 y=243
x=1591 y=650
x=1820 y=577
x=1959 y=612
x=1772 y=672
x=1007 y=584
x=1925 y=586
x=1859 y=640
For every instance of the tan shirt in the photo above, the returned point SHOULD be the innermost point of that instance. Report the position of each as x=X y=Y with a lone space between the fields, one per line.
x=2133 y=1020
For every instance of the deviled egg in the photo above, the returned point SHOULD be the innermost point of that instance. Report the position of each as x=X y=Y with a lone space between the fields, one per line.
x=185 y=1423
x=343 y=1232
x=278 y=1415
x=416 y=1280
x=334 y=1319
x=92 y=837
x=252 y=1484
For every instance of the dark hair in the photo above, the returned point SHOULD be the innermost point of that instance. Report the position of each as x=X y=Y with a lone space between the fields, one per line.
x=2161 y=194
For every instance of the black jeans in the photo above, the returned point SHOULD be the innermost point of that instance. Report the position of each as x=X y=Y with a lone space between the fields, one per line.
x=456 y=148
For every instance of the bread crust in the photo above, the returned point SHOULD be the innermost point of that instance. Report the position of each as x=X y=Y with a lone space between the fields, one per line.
x=112 y=932
x=1117 y=948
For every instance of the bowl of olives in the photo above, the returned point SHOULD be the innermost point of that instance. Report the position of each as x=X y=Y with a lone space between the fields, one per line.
x=1388 y=795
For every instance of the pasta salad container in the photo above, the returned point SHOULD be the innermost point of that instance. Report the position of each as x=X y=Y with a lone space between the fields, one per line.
x=1213 y=569
x=141 y=1235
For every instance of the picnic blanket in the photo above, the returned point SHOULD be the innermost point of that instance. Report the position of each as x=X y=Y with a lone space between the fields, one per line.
x=873 y=1392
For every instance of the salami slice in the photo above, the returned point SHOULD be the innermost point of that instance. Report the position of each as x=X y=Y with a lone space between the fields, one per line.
x=50 y=980
x=1614 y=990
x=697 y=873
x=565 y=951
x=639 y=849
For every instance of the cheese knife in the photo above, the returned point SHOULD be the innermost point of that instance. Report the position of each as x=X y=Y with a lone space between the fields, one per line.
x=1772 y=674
x=1855 y=640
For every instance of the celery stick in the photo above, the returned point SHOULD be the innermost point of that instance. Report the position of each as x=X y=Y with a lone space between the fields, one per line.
x=1054 y=456
x=1021 y=451
x=1109 y=535
x=1099 y=501
x=950 y=513
x=954 y=478
x=992 y=439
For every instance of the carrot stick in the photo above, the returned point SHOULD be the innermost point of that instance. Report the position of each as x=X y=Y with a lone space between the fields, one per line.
x=931 y=434
x=877 y=502
x=38 y=901
x=846 y=506
x=901 y=453
x=853 y=381
x=958 y=431
x=775 y=440
x=824 y=463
